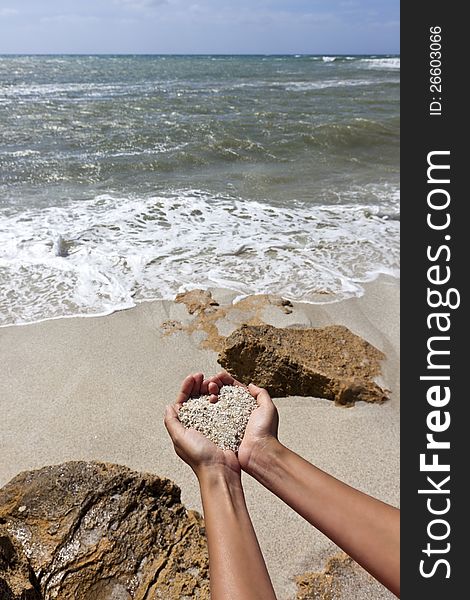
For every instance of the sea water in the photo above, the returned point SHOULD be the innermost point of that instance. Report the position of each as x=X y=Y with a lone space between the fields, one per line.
x=131 y=178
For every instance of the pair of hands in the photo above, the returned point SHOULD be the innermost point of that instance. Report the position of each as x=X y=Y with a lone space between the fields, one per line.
x=202 y=454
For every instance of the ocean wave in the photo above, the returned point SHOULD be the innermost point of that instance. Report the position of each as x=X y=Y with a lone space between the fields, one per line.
x=338 y=136
x=117 y=251
x=305 y=86
x=382 y=63
x=189 y=146
x=27 y=152
x=88 y=91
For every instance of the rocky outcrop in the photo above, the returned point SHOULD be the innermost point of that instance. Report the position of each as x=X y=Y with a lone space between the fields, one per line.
x=328 y=362
x=94 y=531
x=196 y=301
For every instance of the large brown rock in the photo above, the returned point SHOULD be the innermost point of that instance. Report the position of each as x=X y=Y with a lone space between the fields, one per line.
x=328 y=362
x=94 y=531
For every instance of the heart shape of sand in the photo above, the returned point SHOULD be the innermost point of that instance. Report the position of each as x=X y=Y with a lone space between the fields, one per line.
x=223 y=422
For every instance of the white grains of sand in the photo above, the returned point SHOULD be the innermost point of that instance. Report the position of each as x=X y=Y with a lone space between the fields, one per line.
x=223 y=422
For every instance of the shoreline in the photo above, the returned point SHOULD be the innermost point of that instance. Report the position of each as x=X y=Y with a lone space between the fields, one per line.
x=333 y=299
x=95 y=389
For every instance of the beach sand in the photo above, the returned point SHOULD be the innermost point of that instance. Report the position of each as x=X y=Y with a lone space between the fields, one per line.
x=96 y=388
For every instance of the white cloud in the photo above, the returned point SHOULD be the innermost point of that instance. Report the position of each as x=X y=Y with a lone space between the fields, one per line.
x=69 y=18
x=139 y=4
x=8 y=12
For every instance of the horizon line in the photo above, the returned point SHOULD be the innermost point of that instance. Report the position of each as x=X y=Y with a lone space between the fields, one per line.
x=336 y=54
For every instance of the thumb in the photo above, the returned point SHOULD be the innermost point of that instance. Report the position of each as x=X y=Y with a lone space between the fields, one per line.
x=260 y=394
x=172 y=422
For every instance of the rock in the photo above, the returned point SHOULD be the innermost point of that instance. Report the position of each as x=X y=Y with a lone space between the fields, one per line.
x=61 y=247
x=285 y=305
x=95 y=531
x=196 y=300
x=171 y=326
x=328 y=362
x=17 y=580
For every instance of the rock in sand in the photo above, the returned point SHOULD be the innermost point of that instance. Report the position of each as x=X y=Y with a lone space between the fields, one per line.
x=327 y=362
x=88 y=530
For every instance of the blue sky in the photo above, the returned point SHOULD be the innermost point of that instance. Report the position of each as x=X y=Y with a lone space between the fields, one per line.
x=200 y=26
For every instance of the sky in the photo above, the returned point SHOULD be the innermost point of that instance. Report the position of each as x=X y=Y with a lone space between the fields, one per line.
x=199 y=27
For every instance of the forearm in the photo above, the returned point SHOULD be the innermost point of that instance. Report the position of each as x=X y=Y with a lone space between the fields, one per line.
x=365 y=528
x=237 y=568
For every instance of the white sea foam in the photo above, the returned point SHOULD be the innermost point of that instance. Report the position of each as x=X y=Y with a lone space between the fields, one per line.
x=19 y=153
x=382 y=63
x=124 y=250
x=303 y=86
x=48 y=91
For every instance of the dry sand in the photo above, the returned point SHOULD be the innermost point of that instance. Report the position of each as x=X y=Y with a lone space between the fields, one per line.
x=95 y=388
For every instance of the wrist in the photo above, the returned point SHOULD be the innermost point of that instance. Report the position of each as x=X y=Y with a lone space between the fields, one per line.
x=217 y=473
x=265 y=454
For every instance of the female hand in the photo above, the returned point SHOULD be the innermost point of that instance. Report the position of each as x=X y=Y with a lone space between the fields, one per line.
x=190 y=445
x=262 y=426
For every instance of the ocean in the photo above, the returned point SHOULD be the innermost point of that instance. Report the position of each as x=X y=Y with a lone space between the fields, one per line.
x=132 y=178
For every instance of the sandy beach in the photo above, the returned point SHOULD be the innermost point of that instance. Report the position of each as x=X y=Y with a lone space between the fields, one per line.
x=96 y=388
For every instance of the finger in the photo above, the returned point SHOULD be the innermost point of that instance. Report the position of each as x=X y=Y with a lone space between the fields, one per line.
x=213 y=391
x=205 y=387
x=213 y=388
x=215 y=379
x=260 y=394
x=198 y=379
x=227 y=379
x=172 y=423
x=186 y=389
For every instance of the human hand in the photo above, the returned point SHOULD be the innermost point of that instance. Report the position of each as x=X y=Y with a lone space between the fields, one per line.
x=190 y=445
x=261 y=430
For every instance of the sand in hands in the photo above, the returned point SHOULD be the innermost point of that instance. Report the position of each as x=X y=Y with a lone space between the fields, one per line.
x=223 y=422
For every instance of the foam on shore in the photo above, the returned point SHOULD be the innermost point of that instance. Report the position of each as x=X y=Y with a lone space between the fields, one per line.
x=104 y=254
